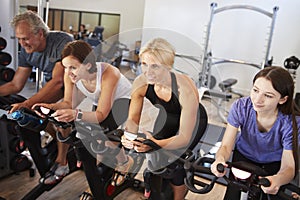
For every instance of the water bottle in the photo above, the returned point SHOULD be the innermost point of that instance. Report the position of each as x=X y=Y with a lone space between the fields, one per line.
x=29 y=119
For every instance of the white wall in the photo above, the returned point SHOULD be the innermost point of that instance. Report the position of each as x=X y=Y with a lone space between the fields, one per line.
x=8 y=10
x=238 y=34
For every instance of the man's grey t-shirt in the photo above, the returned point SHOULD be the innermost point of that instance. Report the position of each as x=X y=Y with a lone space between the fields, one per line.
x=46 y=59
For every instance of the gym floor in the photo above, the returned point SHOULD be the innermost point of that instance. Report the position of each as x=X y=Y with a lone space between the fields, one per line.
x=15 y=186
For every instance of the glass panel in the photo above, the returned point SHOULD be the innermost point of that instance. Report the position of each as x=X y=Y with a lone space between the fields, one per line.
x=70 y=21
x=50 y=19
x=111 y=24
x=90 y=20
x=57 y=19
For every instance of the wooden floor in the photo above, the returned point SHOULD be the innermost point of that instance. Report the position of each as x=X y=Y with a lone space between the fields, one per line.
x=15 y=186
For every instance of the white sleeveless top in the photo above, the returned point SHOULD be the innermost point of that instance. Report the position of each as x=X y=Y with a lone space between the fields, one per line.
x=123 y=87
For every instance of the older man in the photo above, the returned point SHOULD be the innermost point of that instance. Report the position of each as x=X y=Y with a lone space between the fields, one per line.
x=40 y=48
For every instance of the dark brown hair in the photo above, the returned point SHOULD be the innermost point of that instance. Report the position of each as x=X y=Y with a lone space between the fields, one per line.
x=283 y=83
x=82 y=51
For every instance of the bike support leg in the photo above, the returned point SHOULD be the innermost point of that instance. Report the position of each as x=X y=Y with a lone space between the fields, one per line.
x=38 y=154
x=95 y=178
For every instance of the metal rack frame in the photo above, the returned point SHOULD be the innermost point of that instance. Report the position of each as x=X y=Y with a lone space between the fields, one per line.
x=205 y=82
x=207 y=62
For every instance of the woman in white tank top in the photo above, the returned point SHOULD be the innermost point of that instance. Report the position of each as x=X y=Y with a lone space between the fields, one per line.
x=102 y=83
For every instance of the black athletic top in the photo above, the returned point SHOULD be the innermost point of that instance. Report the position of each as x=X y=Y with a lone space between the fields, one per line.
x=167 y=122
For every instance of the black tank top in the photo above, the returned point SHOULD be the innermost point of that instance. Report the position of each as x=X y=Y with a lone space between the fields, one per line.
x=167 y=122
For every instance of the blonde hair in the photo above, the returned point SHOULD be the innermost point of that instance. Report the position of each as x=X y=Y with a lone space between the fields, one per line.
x=161 y=49
x=35 y=22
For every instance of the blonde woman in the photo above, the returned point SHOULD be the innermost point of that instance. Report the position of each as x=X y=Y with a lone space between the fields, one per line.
x=175 y=94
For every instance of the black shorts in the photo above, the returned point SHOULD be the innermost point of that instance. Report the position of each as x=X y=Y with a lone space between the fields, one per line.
x=178 y=178
x=175 y=174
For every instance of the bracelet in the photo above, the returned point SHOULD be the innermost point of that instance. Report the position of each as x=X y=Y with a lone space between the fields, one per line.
x=130 y=136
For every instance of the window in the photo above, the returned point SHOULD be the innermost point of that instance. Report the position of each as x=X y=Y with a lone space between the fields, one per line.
x=90 y=20
x=64 y=20
x=70 y=21
x=111 y=24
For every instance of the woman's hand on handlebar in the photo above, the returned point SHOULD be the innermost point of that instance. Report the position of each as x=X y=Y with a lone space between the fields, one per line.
x=274 y=187
x=137 y=144
x=126 y=142
x=36 y=108
x=214 y=169
x=64 y=115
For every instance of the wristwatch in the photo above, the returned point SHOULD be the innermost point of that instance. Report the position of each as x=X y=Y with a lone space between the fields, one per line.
x=79 y=115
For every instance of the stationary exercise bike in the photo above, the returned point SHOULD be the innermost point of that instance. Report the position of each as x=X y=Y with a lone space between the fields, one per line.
x=28 y=137
x=29 y=125
x=248 y=178
x=88 y=140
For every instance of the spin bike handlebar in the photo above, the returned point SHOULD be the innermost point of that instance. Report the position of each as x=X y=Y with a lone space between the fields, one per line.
x=195 y=169
x=186 y=156
x=249 y=170
x=248 y=177
x=90 y=132
x=152 y=144
x=97 y=136
x=183 y=158
x=6 y=101
x=47 y=113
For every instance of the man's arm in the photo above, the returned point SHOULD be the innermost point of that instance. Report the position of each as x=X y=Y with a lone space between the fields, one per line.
x=17 y=84
x=50 y=93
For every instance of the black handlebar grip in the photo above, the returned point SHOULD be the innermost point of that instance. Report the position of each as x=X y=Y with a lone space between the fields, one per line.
x=264 y=182
x=152 y=144
x=220 y=168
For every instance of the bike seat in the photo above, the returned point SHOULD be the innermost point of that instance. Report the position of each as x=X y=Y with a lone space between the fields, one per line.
x=224 y=85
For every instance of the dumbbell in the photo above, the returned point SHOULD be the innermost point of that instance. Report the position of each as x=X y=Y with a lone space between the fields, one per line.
x=6 y=74
x=5 y=58
x=3 y=43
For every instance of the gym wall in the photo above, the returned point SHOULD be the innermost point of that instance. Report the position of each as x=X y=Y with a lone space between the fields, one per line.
x=8 y=9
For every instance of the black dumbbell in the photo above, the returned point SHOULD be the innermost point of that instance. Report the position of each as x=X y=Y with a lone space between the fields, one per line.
x=3 y=43
x=6 y=74
x=5 y=58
